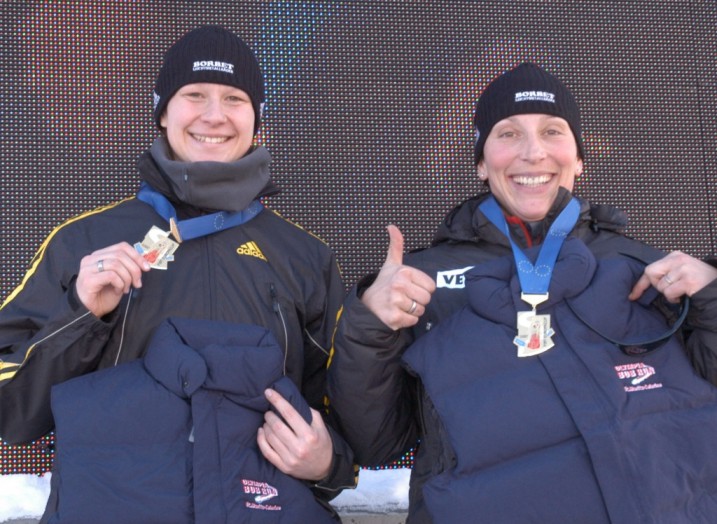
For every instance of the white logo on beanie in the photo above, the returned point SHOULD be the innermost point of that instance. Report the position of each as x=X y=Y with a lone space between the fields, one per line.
x=213 y=65
x=539 y=96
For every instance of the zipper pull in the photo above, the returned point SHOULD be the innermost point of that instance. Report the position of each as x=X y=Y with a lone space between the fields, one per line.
x=274 y=298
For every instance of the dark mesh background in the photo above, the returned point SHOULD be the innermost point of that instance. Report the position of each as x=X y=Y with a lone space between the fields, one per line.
x=369 y=113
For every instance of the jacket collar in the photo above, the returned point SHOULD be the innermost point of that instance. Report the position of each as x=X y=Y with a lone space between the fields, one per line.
x=465 y=223
x=208 y=186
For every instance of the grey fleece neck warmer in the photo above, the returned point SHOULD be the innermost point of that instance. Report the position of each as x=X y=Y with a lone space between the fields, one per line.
x=213 y=186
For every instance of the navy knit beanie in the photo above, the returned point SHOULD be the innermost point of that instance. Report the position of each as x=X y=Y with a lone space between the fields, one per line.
x=525 y=89
x=214 y=55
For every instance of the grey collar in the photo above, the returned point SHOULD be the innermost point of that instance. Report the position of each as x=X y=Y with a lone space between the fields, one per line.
x=216 y=186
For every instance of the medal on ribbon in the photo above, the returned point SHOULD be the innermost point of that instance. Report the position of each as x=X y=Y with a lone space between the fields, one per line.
x=200 y=226
x=157 y=248
x=534 y=331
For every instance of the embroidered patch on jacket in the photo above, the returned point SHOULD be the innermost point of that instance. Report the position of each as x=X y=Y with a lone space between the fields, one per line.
x=634 y=377
x=452 y=279
x=262 y=492
x=251 y=249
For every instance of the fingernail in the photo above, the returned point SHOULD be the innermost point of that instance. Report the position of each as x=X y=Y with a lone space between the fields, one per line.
x=269 y=393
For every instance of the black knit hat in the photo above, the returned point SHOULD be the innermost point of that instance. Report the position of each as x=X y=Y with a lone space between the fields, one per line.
x=214 y=55
x=524 y=89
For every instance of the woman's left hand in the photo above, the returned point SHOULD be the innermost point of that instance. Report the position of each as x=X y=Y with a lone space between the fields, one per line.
x=296 y=448
x=675 y=275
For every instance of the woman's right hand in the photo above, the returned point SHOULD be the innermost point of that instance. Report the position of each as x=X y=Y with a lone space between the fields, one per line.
x=400 y=294
x=107 y=274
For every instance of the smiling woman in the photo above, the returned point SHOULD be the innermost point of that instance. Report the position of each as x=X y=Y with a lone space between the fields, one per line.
x=209 y=110
x=526 y=160
x=209 y=122
x=513 y=381
x=529 y=141
x=195 y=248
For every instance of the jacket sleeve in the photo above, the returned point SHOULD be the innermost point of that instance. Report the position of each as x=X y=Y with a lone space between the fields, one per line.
x=370 y=395
x=46 y=336
x=318 y=334
x=701 y=332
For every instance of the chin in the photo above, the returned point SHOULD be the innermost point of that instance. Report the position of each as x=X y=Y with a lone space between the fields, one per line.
x=533 y=215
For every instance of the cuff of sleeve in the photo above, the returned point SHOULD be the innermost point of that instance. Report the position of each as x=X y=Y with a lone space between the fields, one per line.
x=365 y=283
x=343 y=473
x=703 y=308
x=76 y=305
x=360 y=324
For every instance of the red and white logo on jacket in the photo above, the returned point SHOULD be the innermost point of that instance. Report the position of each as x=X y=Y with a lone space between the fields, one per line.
x=262 y=492
x=637 y=376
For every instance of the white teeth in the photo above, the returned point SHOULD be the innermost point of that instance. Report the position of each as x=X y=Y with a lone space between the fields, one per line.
x=211 y=139
x=531 y=180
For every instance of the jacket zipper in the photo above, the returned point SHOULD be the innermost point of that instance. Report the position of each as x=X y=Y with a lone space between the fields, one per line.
x=124 y=325
x=276 y=306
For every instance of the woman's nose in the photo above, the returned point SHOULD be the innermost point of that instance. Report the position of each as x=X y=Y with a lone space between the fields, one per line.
x=213 y=111
x=533 y=147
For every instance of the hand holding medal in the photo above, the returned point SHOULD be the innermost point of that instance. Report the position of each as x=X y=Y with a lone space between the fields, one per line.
x=109 y=273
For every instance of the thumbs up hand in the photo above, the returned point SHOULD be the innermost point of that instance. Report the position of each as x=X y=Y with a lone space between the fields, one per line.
x=400 y=294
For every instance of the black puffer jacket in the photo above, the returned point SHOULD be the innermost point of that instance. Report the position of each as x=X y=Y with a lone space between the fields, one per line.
x=267 y=271
x=392 y=413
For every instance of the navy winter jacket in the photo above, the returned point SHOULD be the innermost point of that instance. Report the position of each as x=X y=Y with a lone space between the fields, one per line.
x=172 y=437
x=583 y=433
x=394 y=412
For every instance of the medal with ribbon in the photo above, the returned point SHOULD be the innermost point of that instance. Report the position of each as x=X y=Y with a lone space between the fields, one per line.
x=183 y=230
x=534 y=331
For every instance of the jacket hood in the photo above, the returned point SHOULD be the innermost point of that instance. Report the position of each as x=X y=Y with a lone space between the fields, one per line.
x=208 y=186
x=186 y=354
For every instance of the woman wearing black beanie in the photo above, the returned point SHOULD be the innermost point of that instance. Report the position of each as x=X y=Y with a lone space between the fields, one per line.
x=549 y=368
x=194 y=262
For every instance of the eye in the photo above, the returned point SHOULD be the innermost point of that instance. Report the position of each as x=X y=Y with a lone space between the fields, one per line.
x=556 y=127
x=235 y=97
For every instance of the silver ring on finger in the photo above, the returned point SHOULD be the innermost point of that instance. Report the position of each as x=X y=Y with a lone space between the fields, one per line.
x=668 y=280
x=100 y=266
x=413 y=307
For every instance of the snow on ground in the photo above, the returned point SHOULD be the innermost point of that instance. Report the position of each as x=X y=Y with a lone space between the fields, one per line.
x=23 y=496
x=379 y=491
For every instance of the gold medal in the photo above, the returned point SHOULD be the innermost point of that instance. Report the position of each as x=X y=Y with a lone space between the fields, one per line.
x=534 y=330
x=534 y=334
x=157 y=248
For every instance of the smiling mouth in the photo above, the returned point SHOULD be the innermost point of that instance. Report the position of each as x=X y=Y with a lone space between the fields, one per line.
x=210 y=139
x=532 y=180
